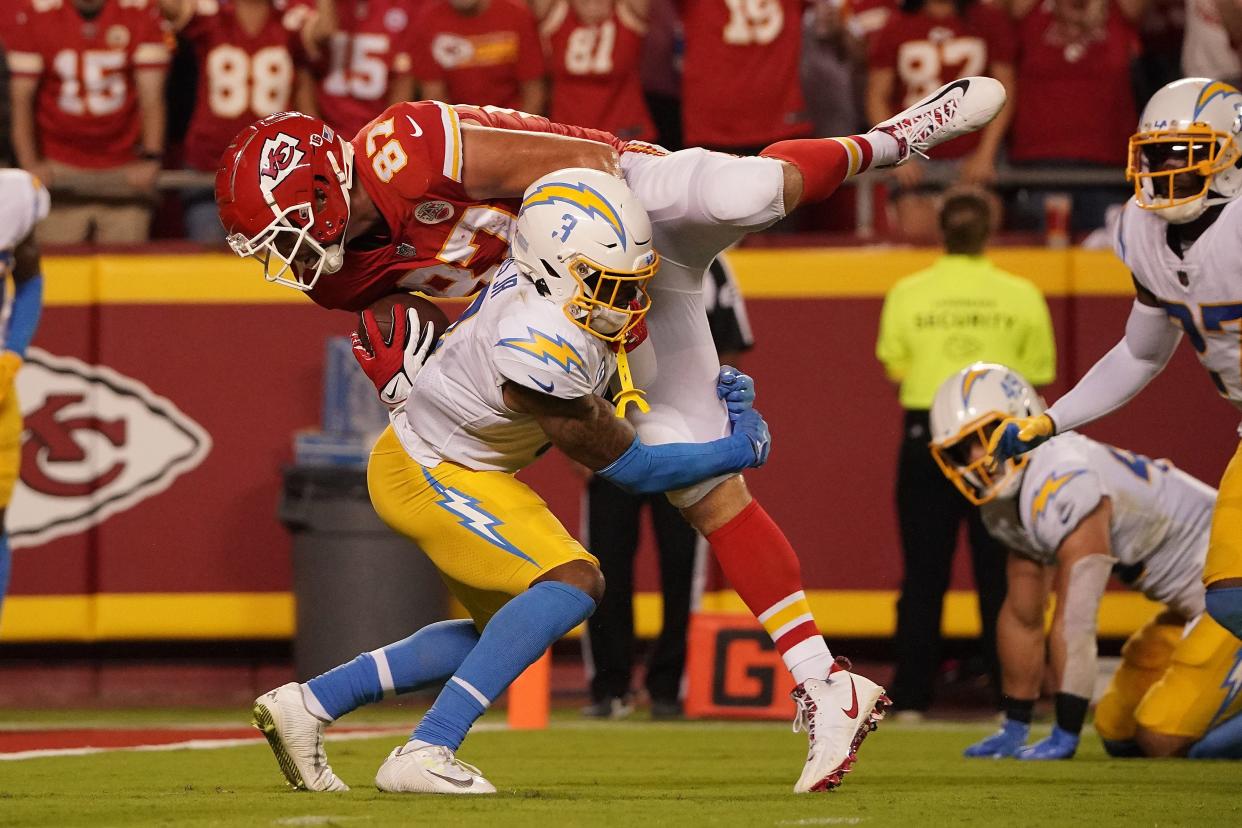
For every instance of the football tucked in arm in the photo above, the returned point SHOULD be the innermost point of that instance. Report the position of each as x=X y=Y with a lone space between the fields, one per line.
x=385 y=309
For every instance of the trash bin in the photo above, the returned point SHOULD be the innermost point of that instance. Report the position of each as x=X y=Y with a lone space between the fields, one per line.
x=358 y=585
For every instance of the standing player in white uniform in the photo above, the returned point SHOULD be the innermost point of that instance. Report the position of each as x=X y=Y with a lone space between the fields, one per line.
x=1181 y=237
x=1074 y=512
x=440 y=178
x=23 y=204
x=521 y=370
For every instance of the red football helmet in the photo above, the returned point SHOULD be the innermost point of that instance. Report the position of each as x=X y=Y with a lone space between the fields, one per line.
x=283 y=194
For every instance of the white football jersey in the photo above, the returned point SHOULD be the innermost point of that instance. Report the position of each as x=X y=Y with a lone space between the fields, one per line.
x=456 y=410
x=23 y=203
x=1161 y=516
x=1201 y=290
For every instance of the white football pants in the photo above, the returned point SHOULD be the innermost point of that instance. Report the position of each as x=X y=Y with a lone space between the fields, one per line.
x=700 y=203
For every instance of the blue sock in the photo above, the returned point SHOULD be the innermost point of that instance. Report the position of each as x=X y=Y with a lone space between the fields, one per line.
x=5 y=560
x=1221 y=742
x=513 y=640
x=1225 y=607
x=427 y=657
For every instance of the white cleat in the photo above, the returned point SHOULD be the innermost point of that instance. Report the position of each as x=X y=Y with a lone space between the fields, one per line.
x=837 y=714
x=429 y=769
x=296 y=738
x=963 y=106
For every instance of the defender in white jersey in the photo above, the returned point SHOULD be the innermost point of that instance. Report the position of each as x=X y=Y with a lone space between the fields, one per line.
x=1181 y=237
x=520 y=370
x=23 y=204
x=1074 y=512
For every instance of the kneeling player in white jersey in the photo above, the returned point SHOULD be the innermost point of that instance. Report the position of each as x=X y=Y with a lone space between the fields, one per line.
x=521 y=370
x=1181 y=237
x=23 y=204
x=1073 y=513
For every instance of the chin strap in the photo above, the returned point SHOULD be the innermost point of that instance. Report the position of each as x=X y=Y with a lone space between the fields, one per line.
x=628 y=393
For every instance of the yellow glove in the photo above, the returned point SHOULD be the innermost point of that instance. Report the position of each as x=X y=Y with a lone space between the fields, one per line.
x=1018 y=435
x=9 y=363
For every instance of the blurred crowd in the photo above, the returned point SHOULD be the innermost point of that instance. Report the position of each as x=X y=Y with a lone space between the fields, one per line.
x=103 y=94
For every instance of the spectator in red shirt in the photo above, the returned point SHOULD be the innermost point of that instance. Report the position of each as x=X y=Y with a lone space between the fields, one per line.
x=360 y=60
x=1074 y=56
x=927 y=44
x=483 y=52
x=740 y=84
x=244 y=51
x=594 y=47
x=87 y=93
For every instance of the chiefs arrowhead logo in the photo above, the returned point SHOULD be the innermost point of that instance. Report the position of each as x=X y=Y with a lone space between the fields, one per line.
x=279 y=157
x=95 y=443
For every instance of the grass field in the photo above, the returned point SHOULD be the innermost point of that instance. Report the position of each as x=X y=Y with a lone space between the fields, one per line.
x=624 y=774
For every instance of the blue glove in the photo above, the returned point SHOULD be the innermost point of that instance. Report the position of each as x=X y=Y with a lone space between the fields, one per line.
x=736 y=389
x=1003 y=743
x=750 y=424
x=1060 y=744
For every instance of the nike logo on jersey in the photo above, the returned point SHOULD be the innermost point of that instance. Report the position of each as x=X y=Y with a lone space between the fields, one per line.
x=418 y=131
x=547 y=387
x=852 y=712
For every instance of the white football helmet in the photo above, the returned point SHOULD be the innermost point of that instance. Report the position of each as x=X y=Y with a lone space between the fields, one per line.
x=966 y=410
x=585 y=242
x=1185 y=156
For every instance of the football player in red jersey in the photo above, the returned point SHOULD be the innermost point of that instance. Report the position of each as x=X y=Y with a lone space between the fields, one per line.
x=486 y=51
x=245 y=51
x=927 y=44
x=594 y=48
x=365 y=64
x=740 y=85
x=87 y=96
x=434 y=211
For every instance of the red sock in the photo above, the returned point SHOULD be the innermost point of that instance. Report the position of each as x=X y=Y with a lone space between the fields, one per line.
x=823 y=162
x=763 y=569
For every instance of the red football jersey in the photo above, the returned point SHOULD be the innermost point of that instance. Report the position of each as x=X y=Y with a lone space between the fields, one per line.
x=86 y=112
x=740 y=83
x=595 y=71
x=927 y=52
x=484 y=58
x=371 y=48
x=242 y=76
x=1089 y=76
x=439 y=240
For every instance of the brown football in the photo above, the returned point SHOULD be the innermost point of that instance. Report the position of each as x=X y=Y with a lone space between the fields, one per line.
x=428 y=311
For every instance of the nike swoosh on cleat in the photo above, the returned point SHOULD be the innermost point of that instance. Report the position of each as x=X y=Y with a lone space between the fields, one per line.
x=460 y=783
x=853 y=711
x=962 y=84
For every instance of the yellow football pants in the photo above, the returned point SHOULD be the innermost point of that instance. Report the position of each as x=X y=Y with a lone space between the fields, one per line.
x=1172 y=684
x=10 y=444
x=1224 y=558
x=488 y=533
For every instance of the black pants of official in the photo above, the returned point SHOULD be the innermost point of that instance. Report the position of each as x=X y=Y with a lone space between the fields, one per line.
x=930 y=511
x=613 y=517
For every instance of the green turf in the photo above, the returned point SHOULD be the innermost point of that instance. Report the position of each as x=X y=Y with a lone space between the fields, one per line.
x=635 y=774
